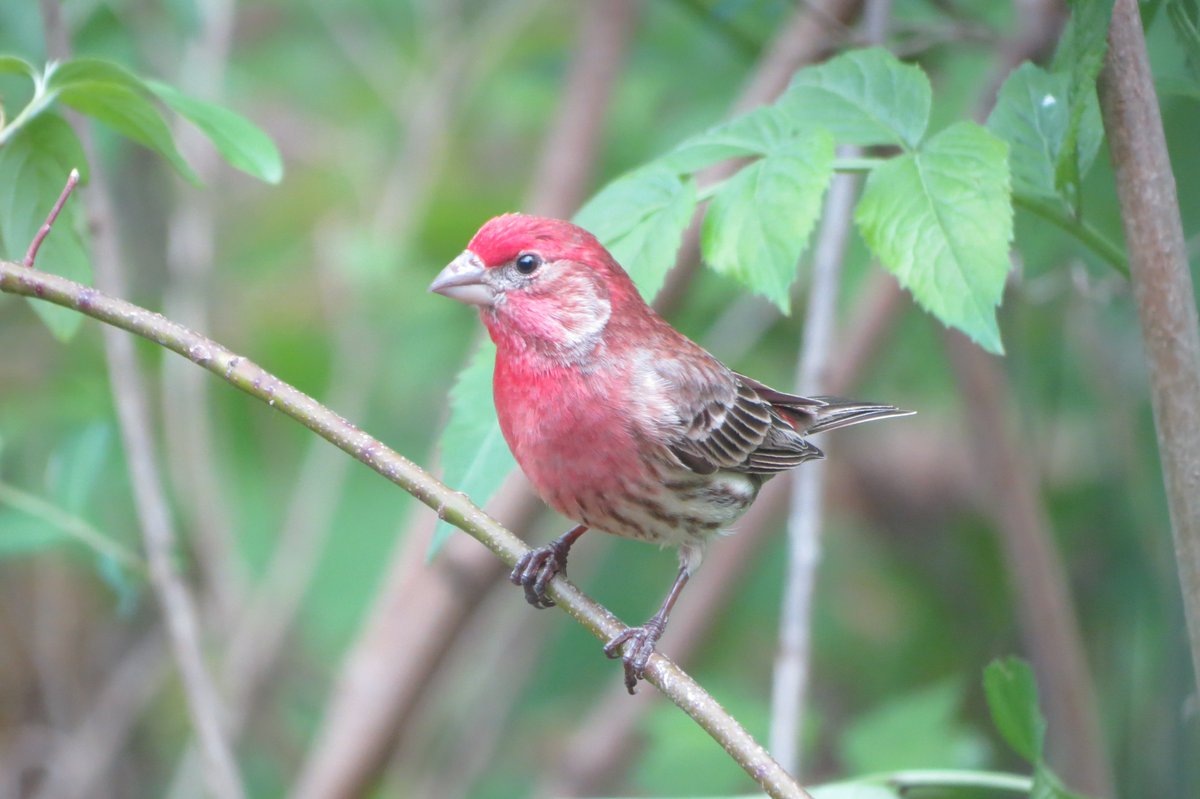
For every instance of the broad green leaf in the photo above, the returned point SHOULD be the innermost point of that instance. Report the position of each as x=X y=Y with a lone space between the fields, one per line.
x=130 y=114
x=758 y=132
x=940 y=220
x=1080 y=55
x=640 y=217
x=32 y=175
x=239 y=141
x=76 y=464
x=12 y=64
x=759 y=222
x=1011 y=693
x=1032 y=114
x=864 y=97
x=475 y=457
x=917 y=730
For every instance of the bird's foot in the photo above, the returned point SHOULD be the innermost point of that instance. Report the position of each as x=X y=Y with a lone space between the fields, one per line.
x=640 y=643
x=536 y=568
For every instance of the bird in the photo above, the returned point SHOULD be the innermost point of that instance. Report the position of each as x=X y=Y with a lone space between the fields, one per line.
x=621 y=422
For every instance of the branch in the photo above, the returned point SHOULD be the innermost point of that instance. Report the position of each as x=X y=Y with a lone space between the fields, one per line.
x=1162 y=287
x=450 y=505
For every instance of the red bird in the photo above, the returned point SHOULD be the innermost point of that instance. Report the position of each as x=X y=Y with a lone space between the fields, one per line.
x=621 y=422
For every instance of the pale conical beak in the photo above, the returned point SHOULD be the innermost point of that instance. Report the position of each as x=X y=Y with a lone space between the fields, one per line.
x=463 y=280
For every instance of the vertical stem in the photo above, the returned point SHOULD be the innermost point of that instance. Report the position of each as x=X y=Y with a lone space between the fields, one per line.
x=789 y=689
x=1162 y=287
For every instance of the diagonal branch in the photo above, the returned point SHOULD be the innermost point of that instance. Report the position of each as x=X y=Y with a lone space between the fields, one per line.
x=450 y=505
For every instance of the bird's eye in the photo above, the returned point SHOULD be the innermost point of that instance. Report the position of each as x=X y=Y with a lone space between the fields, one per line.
x=528 y=262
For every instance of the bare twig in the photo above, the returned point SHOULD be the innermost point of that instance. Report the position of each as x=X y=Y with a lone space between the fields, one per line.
x=450 y=505
x=40 y=236
x=188 y=427
x=789 y=689
x=131 y=399
x=1162 y=287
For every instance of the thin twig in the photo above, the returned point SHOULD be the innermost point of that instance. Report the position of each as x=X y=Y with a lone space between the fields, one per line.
x=40 y=236
x=450 y=505
x=789 y=688
x=1162 y=287
x=72 y=525
x=131 y=398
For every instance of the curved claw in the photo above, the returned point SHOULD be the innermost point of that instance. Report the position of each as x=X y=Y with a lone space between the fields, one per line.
x=642 y=641
x=534 y=571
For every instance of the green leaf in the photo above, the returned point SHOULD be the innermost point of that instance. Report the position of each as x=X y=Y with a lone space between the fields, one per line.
x=21 y=534
x=917 y=730
x=758 y=132
x=11 y=64
x=76 y=465
x=864 y=97
x=129 y=113
x=1080 y=55
x=1011 y=693
x=32 y=175
x=239 y=141
x=940 y=220
x=475 y=457
x=640 y=217
x=1033 y=114
x=759 y=222
x=83 y=71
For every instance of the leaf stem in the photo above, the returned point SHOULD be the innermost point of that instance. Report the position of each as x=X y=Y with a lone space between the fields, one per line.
x=856 y=164
x=1089 y=236
x=953 y=778
x=40 y=101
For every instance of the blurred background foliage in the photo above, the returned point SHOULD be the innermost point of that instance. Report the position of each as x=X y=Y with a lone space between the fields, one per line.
x=322 y=280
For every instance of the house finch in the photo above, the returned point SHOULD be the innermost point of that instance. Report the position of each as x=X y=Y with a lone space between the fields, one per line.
x=621 y=422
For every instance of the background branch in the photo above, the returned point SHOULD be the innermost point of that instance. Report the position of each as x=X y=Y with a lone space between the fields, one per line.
x=1162 y=285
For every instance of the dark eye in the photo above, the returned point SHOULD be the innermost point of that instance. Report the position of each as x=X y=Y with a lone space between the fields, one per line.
x=528 y=262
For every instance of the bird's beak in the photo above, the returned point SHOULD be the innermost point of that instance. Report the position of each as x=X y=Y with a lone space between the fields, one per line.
x=463 y=280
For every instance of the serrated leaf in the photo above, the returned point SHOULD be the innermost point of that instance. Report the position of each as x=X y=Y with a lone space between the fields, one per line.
x=32 y=176
x=758 y=132
x=239 y=141
x=940 y=220
x=75 y=466
x=11 y=64
x=475 y=457
x=758 y=224
x=129 y=113
x=1032 y=113
x=1011 y=692
x=640 y=217
x=865 y=97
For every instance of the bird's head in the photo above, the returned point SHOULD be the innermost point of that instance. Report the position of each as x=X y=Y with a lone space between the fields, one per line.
x=541 y=284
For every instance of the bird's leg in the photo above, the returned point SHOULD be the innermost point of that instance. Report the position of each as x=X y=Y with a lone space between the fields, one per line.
x=536 y=567
x=642 y=639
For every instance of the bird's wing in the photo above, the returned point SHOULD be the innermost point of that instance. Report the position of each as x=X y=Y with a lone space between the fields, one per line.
x=723 y=423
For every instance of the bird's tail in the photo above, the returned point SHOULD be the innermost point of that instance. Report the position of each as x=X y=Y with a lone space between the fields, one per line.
x=835 y=412
x=818 y=414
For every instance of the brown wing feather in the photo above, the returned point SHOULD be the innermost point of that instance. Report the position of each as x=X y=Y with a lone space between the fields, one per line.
x=725 y=422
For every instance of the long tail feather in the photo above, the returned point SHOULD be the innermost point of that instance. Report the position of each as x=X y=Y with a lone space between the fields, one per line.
x=838 y=412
